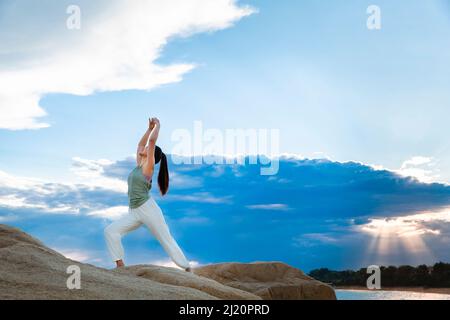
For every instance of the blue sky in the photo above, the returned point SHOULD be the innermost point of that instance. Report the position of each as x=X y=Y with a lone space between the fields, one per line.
x=311 y=69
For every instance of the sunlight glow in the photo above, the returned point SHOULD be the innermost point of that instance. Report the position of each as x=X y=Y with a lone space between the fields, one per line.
x=406 y=233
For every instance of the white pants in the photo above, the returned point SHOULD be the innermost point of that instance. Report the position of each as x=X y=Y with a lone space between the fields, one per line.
x=151 y=215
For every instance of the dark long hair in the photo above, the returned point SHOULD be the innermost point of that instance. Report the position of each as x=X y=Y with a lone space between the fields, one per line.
x=163 y=175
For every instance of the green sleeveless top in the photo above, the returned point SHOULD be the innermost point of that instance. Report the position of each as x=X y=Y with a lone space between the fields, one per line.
x=138 y=188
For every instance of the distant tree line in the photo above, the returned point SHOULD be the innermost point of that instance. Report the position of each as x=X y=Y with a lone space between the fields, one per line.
x=437 y=276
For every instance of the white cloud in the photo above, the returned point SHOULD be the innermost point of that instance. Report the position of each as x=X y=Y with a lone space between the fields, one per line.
x=407 y=226
x=112 y=213
x=91 y=175
x=278 y=179
x=180 y=181
x=13 y=201
x=290 y=156
x=8 y=218
x=115 y=49
x=412 y=233
x=23 y=183
x=170 y=264
x=313 y=239
x=64 y=198
x=321 y=237
x=199 y=197
x=272 y=206
x=423 y=169
x=417 y=161
x=75 y=254
x=194 y=220
x=88 y=174
x=79 y=255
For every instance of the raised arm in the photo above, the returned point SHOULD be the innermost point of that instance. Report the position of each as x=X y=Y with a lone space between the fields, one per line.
x=143 y=142
x=149 y=165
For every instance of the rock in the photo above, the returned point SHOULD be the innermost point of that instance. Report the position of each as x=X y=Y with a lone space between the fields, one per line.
x=269 y=280
x=30 y=270
x=181 y=278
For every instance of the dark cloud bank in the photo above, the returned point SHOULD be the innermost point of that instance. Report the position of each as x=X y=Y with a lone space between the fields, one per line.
x=306 y=215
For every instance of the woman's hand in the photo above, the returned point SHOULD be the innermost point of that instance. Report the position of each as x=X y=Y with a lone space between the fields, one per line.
x=156 y=123
x=153 y=122
x=149 y=165
x=144 y=140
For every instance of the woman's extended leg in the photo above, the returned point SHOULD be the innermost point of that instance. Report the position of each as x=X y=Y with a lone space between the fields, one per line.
x=114 y=233
x=151 y=215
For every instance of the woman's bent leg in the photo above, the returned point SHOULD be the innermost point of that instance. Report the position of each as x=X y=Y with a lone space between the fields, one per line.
x=114 y=233
x=151 y=215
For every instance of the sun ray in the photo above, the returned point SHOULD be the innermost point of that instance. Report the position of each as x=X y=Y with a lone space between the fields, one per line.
x=390 y=237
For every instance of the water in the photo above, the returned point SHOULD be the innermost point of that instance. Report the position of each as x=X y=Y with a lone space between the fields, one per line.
x=388 y=295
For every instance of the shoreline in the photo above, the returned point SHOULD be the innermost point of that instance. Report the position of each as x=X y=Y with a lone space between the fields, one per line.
x=407 y=289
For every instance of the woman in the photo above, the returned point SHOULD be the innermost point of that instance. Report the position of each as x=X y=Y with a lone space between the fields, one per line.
x=142 y=208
